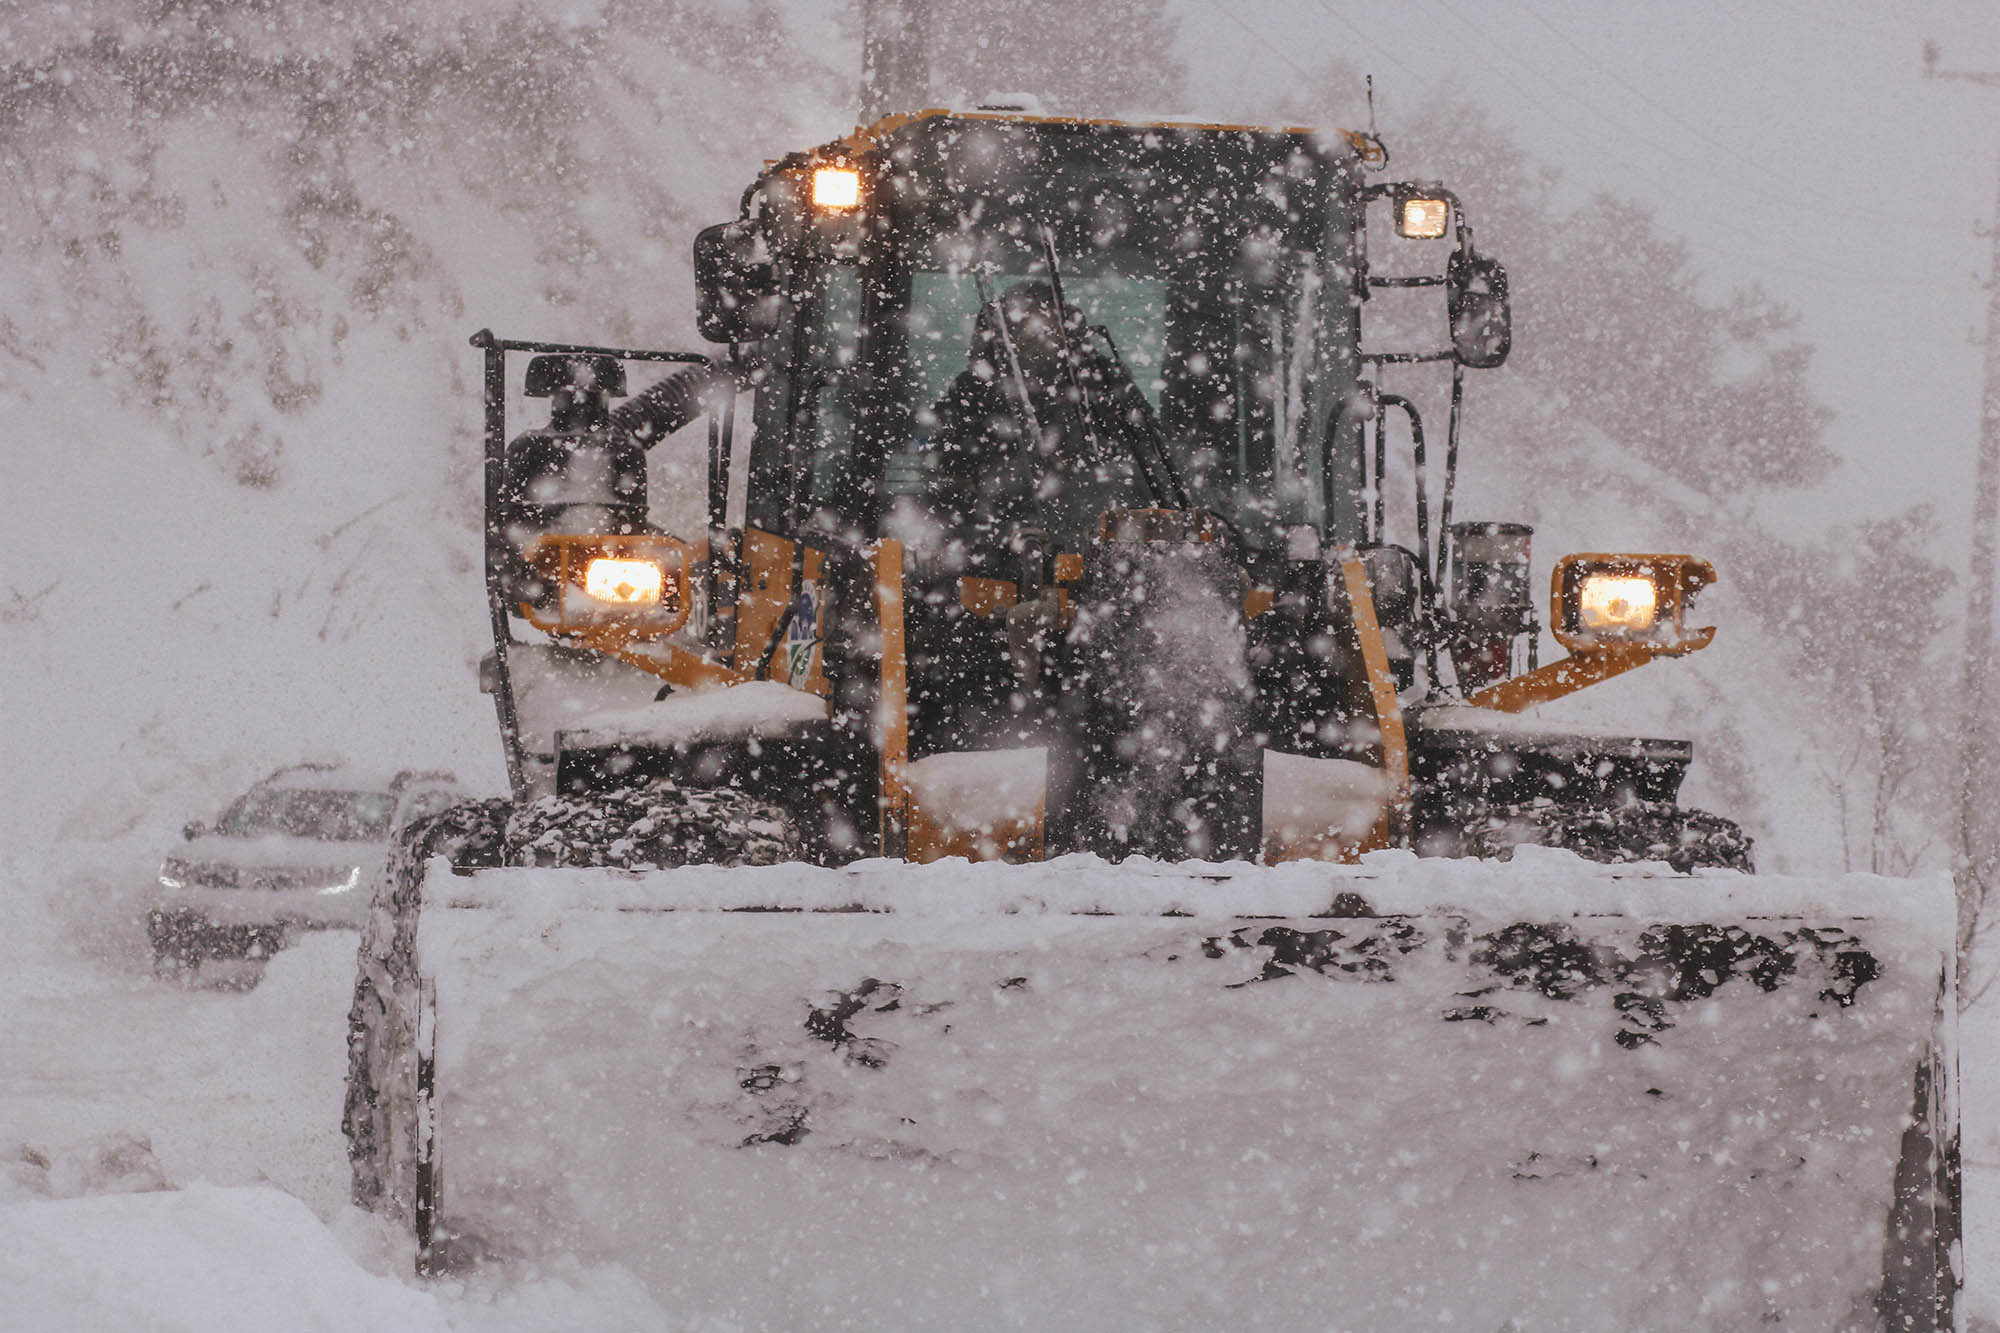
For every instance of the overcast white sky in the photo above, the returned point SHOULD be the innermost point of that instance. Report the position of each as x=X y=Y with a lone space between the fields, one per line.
x=1789 y=142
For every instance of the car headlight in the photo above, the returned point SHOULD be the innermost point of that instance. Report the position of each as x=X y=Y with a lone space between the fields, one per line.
x=343 y=885
x=1607 y=601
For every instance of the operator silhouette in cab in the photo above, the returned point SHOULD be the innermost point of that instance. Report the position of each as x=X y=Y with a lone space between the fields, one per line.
x=1043 y=429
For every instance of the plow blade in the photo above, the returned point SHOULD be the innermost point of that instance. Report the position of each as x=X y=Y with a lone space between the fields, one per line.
x=1085 y=1095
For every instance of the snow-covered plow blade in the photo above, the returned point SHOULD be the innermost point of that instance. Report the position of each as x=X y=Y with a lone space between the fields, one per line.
x=1543 y=1094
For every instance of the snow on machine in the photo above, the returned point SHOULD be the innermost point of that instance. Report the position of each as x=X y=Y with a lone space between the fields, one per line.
x=1038 y=856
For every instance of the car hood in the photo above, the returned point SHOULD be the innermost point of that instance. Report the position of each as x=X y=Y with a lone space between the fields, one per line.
x=278 y=851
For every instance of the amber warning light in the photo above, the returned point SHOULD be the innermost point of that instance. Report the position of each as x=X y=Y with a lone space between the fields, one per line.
x=836 y=188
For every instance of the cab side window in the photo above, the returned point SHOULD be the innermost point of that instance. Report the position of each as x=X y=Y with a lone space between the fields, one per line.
x=804 y=425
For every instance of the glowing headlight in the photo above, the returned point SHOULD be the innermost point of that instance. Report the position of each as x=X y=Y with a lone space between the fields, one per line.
x=836 y=188
x=1628 y=601
x=625 y=581
x=1422 y=219
x=1617 y=603
x=629 y=585
x=342 y=886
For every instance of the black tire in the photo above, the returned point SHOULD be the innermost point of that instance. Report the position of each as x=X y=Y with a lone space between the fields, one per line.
x=175 y=967
x=652 y=827
x=1685 y=839
x=176 y=953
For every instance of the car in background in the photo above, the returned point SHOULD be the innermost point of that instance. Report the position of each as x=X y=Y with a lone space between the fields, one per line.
x=299 y=851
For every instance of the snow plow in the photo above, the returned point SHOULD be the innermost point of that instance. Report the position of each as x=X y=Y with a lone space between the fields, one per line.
x=1037 y=857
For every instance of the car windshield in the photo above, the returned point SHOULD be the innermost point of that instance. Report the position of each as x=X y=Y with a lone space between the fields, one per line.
x=308 y=812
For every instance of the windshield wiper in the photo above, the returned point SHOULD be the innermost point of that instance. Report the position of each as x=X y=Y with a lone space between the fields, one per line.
x=999 y=317
x=1140 y=409
x=1173 y=495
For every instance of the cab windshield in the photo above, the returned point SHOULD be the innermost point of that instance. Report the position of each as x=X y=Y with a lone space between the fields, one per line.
x=1202 y=305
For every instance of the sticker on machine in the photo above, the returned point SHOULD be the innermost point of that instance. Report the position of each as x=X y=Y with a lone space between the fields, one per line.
x=802 y=635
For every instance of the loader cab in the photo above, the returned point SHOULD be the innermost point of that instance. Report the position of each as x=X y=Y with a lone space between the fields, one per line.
x=1211 y=271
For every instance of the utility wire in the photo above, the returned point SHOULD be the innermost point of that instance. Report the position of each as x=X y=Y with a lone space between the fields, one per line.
x=1759 y=253
x=1758 y=256
x=1626 y=130
x=1605 y=69
x=1327 y=8
x=1264 y=42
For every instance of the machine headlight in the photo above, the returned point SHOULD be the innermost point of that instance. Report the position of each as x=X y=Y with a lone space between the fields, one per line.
x=1422 y=215
x=625 y=581
x=836 y=189
x=1608 y=601
x=634 y=585
x=1617 y=603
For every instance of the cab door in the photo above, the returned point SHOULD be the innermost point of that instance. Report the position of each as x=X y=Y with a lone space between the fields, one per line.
x=802 y=480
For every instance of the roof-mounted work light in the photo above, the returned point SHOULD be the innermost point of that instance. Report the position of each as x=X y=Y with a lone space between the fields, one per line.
x=836 y=189
x=1423 y=212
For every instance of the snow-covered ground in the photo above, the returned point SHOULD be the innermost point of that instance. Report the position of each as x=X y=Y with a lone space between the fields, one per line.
x=171 y=1159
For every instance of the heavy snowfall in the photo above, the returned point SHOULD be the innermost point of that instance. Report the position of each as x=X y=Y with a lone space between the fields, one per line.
x=241 y=250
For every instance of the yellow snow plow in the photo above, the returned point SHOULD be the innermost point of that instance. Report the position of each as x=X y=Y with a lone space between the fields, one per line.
x=1147 y=1095
x=1032 y=859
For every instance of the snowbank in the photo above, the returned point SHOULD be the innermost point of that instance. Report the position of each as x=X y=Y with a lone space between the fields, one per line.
x=203 y=1258
x=115 y=1089
x=692 y=717
x=254 y=1259
x=979 y=789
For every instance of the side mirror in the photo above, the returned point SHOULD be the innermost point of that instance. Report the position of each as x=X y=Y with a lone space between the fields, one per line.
x=736 y=284
x=1476 y=301
x=193 y=829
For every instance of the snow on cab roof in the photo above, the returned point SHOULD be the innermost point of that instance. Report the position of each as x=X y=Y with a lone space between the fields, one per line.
x=1366 y=146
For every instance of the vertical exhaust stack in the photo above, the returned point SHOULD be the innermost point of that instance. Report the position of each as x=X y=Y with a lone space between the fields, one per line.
x=895 y=57
x=1492 y=606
